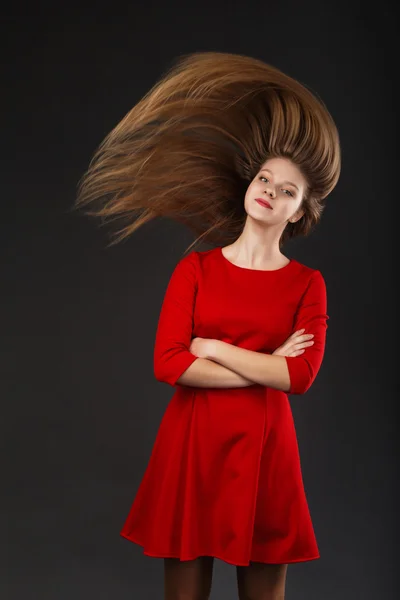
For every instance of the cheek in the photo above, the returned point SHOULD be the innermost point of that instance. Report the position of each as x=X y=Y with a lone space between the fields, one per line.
x=253 y=187
x=252 y=191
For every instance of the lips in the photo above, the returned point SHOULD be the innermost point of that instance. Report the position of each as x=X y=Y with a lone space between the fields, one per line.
x=264 y=202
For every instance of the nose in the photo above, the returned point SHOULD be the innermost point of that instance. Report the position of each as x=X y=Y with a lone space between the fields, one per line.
x=270 y=192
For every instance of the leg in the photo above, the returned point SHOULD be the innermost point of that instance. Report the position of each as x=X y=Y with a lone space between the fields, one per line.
x=261 y=581
x=189 y=579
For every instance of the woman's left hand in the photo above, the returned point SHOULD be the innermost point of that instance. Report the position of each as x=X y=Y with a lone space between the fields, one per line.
x=202 y=347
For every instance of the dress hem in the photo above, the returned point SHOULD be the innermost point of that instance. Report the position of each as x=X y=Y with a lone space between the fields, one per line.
x=229 y=562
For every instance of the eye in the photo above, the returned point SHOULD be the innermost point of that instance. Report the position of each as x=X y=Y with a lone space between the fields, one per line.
x=288 y=191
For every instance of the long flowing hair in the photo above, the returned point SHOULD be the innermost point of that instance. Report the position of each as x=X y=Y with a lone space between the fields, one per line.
x=191 y=146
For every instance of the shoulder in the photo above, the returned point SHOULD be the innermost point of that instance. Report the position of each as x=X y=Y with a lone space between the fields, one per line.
x=186 y=268
x=198 y=259
x=308 y=274
x=188 y=262
x=309 y=282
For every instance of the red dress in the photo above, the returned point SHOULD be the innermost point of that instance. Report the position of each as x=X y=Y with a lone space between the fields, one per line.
x=224 y=476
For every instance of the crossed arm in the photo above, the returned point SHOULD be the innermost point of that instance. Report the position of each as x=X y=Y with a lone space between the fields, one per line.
x=227 y=365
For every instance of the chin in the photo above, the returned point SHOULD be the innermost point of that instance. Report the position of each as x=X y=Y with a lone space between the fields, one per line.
x=260 y=213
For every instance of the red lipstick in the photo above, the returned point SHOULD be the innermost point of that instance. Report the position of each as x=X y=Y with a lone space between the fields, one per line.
x=264 y=203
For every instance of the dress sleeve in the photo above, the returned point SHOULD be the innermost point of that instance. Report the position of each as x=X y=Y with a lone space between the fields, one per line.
x=311 y=315
x=175 y=323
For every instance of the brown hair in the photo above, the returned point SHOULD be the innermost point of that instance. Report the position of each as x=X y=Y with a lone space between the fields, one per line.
x=191 y=146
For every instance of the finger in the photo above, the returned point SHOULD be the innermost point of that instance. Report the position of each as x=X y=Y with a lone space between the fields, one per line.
x=299 y=336
x=304 y=338
x=297 y=344
x=296 y=353
x=298 y=332
x=303 y=344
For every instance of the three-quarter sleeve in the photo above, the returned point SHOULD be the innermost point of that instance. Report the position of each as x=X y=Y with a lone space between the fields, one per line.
x=311 y=315
x=175 y=323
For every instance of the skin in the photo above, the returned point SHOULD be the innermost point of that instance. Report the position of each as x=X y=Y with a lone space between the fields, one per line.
x=256 y=248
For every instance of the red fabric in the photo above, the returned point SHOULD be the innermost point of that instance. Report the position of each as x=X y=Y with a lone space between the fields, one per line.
x=224 y=476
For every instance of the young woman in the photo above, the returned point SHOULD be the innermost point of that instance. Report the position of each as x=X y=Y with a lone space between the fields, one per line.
x=245 y=156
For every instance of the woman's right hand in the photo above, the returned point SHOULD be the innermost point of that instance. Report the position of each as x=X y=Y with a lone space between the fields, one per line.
x=295 y=344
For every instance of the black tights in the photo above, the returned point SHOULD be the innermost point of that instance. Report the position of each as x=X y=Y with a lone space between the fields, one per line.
x=192 y=579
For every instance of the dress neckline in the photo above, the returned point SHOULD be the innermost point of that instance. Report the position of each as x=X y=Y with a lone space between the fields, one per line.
x=247 y=269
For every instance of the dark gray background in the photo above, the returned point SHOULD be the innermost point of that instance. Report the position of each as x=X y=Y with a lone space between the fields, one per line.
x=81 y=404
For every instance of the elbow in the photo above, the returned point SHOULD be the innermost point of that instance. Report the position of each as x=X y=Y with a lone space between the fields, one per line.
x=301 y=375
x=300 y=385
x=163 y=372
x=159 y=372
x=169 y=365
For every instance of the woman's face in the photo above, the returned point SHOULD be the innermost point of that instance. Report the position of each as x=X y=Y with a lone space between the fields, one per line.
x=281 y=183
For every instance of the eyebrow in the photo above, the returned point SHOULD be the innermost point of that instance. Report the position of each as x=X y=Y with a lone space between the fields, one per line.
x=289 y=182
